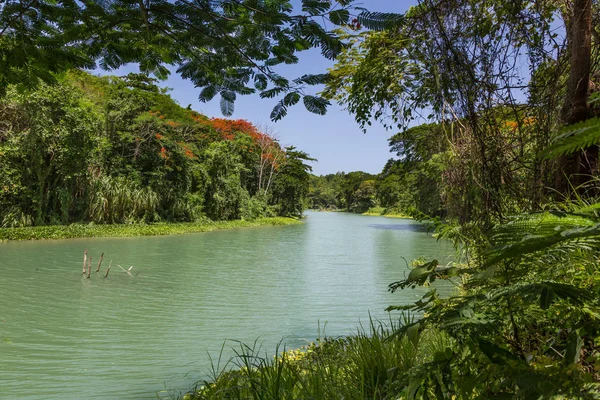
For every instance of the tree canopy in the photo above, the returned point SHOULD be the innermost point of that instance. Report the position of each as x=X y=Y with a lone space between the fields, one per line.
x=120 y=150
x=226 y=48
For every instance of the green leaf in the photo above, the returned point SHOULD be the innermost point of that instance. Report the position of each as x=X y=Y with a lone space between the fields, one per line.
x=575 y=137
x=495 y=353
x=546 y=297
x=546 y=292
x=316 y=105
x=339 y=17
x=271 y=93
x=227 y=103
x=279 y=111
x=291 y=99
x=573 y=349
x=413 y=334
x=208 y=93
x=260 y=81
x=313 y=79
x=379 y=21
x=532 y=244
x=315 y=7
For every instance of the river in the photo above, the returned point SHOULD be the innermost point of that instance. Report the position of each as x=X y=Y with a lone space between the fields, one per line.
x=63 y=336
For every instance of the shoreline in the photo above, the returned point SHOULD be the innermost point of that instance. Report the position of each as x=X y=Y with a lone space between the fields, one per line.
x=398 y=216
x=75 y=231
x=369 y=214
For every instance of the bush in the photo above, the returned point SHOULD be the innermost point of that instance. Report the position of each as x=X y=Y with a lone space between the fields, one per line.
x=256 y=207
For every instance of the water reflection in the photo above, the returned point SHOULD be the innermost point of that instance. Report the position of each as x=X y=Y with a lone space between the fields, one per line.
x=66 y=337
x=413 y=227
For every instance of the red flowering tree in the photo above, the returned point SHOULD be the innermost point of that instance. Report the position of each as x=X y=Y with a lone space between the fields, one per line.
x=271 y=158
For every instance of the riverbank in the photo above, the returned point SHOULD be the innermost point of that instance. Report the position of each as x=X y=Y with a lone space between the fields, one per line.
x=371 y=363
x=129 y=230
x=384 y=212
x=372 y=212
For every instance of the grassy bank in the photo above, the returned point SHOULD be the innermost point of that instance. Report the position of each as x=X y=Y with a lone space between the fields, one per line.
x=91 y=230
x=385 y=212
x=370 y=364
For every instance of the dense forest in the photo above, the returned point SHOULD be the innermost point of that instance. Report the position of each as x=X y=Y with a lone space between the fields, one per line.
x=409 y=185
x=495 y=107
x=120 y=150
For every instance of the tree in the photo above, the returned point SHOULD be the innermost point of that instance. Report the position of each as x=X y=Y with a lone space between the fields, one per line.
x=226 y=47
x=270 y=159
x=576 y=169
x=291 y=184
x=120 y=150
x=454 y=63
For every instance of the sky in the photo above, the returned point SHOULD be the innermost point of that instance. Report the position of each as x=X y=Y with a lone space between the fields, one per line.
x=334 y=139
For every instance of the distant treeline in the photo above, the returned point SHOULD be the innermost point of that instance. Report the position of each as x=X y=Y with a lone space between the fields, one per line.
x=409 y=184
x=121 y=150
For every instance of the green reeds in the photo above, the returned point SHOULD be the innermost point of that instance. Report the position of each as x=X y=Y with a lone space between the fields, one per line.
x=373 y=363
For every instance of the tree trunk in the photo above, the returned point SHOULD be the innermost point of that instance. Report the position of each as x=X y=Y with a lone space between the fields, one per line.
x=576 y=169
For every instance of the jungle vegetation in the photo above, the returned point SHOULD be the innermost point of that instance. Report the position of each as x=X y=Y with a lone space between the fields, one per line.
x=409 y=185
x=497 y=114
x=495 y=105
x=113 y=150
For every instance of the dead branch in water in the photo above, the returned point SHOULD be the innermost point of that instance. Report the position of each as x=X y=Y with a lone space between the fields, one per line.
x=84 y=262
x=100 y=262
x=126 y=270
x=108 y=270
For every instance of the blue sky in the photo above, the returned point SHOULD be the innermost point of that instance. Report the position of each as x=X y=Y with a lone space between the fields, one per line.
x=335 y=140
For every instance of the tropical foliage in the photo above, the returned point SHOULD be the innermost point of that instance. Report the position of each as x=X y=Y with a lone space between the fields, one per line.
x=496 y=109
x=226 y=48
x=120 y=150
x=505 y=165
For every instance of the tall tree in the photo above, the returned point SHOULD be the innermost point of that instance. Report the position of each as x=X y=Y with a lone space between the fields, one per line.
x=458 y=63
x=576 y=169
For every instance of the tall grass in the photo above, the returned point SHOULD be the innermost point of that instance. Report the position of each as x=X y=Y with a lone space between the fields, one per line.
x=119 y=200
x=373 y=363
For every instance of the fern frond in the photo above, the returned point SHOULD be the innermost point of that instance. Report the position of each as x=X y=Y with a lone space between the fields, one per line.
x=379 y=21
x=575 y=137
x=539 y=224
x=531 y=244
x=544 y=292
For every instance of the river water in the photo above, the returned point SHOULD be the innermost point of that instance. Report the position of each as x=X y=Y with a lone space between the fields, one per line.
x=63 y=336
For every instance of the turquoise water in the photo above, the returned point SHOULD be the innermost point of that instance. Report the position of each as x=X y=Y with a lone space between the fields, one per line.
x=63 y=336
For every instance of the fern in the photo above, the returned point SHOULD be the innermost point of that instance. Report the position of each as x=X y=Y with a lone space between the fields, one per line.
x=543 y=292
x=531 y=244
x=575 y=137
x=541 y=224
